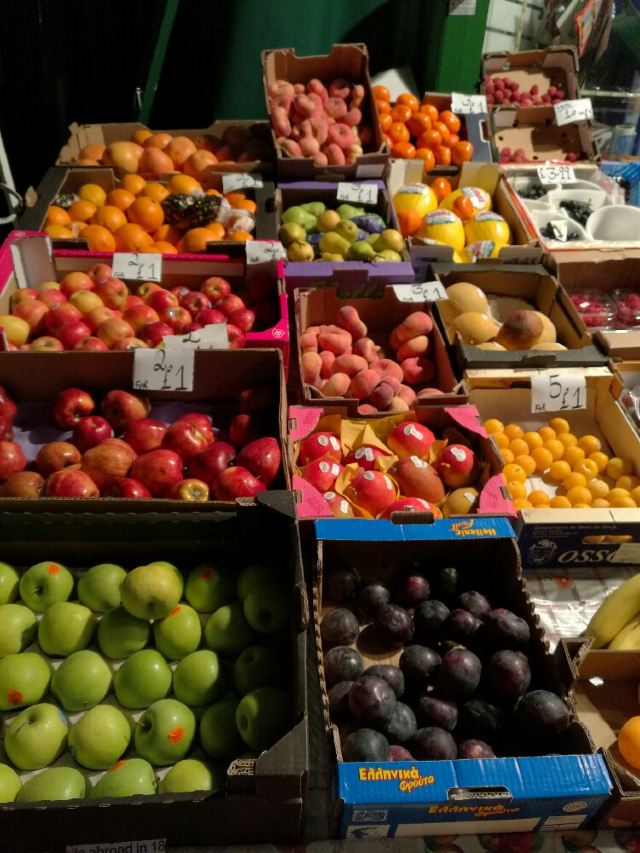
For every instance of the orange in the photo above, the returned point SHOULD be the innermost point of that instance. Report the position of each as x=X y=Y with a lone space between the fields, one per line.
x=441 y=187
x=398 y=132
x=533 y=439
x=525 y=461
x=451 y=120
x=513 y=472
x=492 y=424
x=560 y=502
x=443 y=130
x=410 y=100
x=133 y=183
x=443 y=158
x=574 y=480
x=58 y=231
x=99 y=238
x=235 y=198
x=92 y=151
x=93 y=193
x=428 y=158
x=543 y=458
x=522 y=503
x=132 y=238
x=57 y=216
x=403 y=150
x=82 y=211
x=430 y=110
x=507 y=455
x=401 y=112
x=501 y=439
x=629 y=741
x=381 y=93
x=196 y=239
x=429 y=139
x=247 y=204
x=167 y=234
x=555 y=448
x=241 y=236
x=538 y=498
x=147 y=213
x=546 y=433
x=616 y=467
x=590 y=444
x=573 y=455
x=587 y=467
x=461 y=152
x=519 y=447
x=600 y=459
x=418 y=124
x=120 y=198
x=513 y=431
x=516 y=489
x=163 y=248
x=183 y=184
x=409 y=222
x=463 y=206
x=383 y=107
x=453 y=141
x=559 y=470
x=559 y=425
x=385 y=121
x=579 y=495
x=139 y=136
x=568 y=439
x=217 y=229
x=154 y=190
x=110 y=217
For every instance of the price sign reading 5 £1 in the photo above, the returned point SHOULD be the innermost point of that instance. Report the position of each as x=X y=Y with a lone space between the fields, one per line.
x=558 y=392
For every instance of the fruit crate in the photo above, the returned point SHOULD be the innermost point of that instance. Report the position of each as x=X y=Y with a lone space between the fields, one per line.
x=626 y=379
x=219 y=377
x=552 y=775
x=533 y=131
x=315 y=273
x=555 y=66
x=261 y=798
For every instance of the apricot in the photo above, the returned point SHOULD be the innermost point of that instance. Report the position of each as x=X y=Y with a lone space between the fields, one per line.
x=327 y=358
x=334 y=339
x=349 y=320
x=310 y=367
x=363 y=384
x=367 y=349
x=415 y=346
x=336 y=386
x=349 y=364
x=418 y=323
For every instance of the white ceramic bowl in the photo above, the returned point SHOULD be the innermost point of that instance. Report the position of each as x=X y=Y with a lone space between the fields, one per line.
x=542 y=218
x=523 y=182
x=615 y=223
x=597 y=198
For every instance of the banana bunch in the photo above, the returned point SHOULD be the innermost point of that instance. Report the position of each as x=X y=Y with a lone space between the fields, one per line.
x=616 y=623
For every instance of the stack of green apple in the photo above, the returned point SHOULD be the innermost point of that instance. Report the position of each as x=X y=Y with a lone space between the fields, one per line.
x=134 y=682
x=311 y=232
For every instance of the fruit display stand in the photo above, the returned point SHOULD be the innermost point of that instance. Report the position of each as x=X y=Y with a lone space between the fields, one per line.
x=415 y=794
x=260 y=797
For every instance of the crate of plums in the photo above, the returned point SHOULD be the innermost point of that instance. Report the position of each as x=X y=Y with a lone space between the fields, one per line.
x=443 y=710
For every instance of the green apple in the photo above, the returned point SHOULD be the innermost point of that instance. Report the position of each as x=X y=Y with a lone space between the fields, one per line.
x=9 y=582
x=267 y=609
x=185 y=776
x=100 y=737
x=81 y=681
x=65 y=627
x=256 y=666
x=219 y=735
x=99 y=587
x=209 y=587
x=126 y=779
x=179 y=633
x=142 y=679
x=263 y=716
x=197 y=679
x=120 y=634
x=150 y=592
x=227 y=630
x=36 y=737
x=54 y=783
x=254 y=576
x=17 y=628
x=165 y=731
x=9 y=784
x=24 y=680
x=44 y=584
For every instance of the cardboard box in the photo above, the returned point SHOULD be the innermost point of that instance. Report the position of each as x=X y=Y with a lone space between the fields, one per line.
x=380 y=315
x=457 y=797
x=504 y=284
x=559 y=537
x=493 y=498
x=626 y=378
x=312 y=273
x=263 y=797
x=218 y=378
x=350 y=61
x=534 y=130
x=556 y=65
x=27 y=261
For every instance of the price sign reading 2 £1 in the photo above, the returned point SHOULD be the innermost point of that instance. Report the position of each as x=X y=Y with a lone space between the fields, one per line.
x=136 y=266
x=163 y=369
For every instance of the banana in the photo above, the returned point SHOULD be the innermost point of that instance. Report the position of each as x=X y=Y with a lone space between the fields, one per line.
x=629 y=637
x=615 y=612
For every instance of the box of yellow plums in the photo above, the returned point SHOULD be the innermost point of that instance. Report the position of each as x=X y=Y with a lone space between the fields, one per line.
x=572 y=463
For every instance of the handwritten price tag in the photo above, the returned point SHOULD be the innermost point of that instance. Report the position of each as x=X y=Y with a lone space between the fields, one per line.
x=558 y=392
x=570 y=111
x=163 y=369
x=550 y=174
x=134 y=266
x=213 y=336
x=468 y=104
x=426 y=291
x=241 y=181
x=358 y=193
x=259 y=251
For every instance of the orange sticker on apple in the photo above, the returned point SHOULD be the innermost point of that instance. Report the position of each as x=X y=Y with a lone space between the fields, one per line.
x=53 y=568
x=117 y=765
x=14 y=697
x=175 y=735
x=175 y=610
x=207 y=574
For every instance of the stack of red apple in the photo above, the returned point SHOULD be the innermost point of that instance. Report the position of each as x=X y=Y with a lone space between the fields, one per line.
x=94 y=311
x=122 y=452
x=503 y=91
x=342 y=361
x=73 y=673
x=414 y=473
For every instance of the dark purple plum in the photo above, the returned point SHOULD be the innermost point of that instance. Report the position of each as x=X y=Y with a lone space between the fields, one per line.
x=370 y=598
x=475 y=749
x=459 y=674
x=412 y=589
x=508 y=673
x=365 y=745
x=391 y=674
x=371 y=701
x=417 y=664
x=479 y=717
x=461 y=626
x=433 y=744
x=504 y=630
x=542 y=714
x=393 y=625
x=339 y=627
x=429 y=618
x=340 y=585
x=402 y=724
x=436 y=711
x=475 y=603
x=339 y=701
x=399 y=753
x=446 y=583
x=342 y=663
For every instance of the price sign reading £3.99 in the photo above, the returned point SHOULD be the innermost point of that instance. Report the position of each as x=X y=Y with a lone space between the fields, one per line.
x=556 y=174
x=558 y=392
x=163 y=369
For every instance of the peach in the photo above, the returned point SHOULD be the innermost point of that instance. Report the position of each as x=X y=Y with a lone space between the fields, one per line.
x=367 y=409
x=298 y=88
x=349 y=320
x=280 y=87
x=357 y=95
x=367 y=349
x=407 y=394
x=418 y=323
x=335 y=154
x=394 y=340
x=415 y=346
x=335 y=339
x=382 y=396
x=425 y=393
x=335 y=107
x=309 y=146
x=390 y=368
x=317 y=87
x=336 y=386
x=398 y=405
x=339 y=88
x=310 y=367
x=296 y=133
x=393 y=381
x=353 y=117
x=320 y=127
x=327 y=358
x=321 y=159
x=280 y=121
x=290 y=146
x=417 y=370
x=353 y=153
x=363 y=384
x=283 y=101
x=309 y=341
x=349 y=364
x=340 y=134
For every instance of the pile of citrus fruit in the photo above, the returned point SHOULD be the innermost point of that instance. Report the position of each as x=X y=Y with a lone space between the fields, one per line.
x=576 y=468
x=418 y=130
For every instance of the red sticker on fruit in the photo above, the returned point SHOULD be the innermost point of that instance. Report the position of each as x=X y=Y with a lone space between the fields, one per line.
x=207 y=574
x=175 y=735
x=14 y=697
x=175 y=610
x=53 y=569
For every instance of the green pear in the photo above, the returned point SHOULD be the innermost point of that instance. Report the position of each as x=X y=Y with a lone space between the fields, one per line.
x=300 y=217
x=373 y=239
x=300 y=251
x=334 y=243
x=291 y=232
x=331 y=256
x=315 y=208
x=389 y=255
x=347 y=229
x=328 y=220
x=348 y=211
x=389 y=239
x=360 y=251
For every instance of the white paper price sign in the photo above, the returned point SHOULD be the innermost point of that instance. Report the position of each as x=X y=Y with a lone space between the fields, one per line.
x=558 y=392
x=426 y=291
x=259 y=251
x=137 y=266
x=163 y=369
x=357 y=193
x=241 y=181
x=213 y=336
x=569 y=111
x=550 y=174
x=468 y=104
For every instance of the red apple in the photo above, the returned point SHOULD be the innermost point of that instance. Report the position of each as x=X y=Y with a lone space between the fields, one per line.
x=194 y=491
x=371 y=491
x=154 y=333
x=59 y=315
x=236 y=482
x=8 y=408
x=176 y=317
x=215 y=288
x=12 y=459
x=321 y=473
x=412 y=505
x=121 y=407
x=209 y=464
x=23 y=294
x=70 y=483
x=127 y=344
x=179 y=291
x=133 y=299
x=236 y=337
x=46 y=343
x=98 y=315
x=91 y=431
x=108 y=461
x=230 y=303
x=262 y=457
x=85 y=301
x=417 y=479
x=88 y=344
x=114 y=293
x=158 y=470
x=192 y=327
x=75 y=281
x=24 y=484
x=146 y=289
x=140 y=315
x=209 y=317
x=56 y=455
x=198 y=420
x=52 y=298
x=243 y=429
x=318 y=445
x=365 y=456
x=6 y=429
x=70 y=405
x=114 y=330
x=186 y=440
x=243 y=318
x=340 y=506
x=33 y=312
x=72 y=332
x=195 y=301
x=410 y=438
x=144 y=434
x=100 y=273
x=161 y=299
x=127 y=487
x=456 y=466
